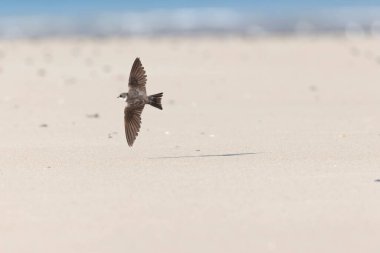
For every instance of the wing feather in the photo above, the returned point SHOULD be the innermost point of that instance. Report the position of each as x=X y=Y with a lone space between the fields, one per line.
x=132 y=122
x=137 y=77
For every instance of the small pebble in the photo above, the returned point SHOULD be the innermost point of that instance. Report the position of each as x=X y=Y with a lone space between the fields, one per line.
x=94 y=116
x=313 y=88
x=110 y=135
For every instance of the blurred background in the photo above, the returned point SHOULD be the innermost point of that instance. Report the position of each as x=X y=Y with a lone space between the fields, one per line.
x=38 y=18
x=269 y=140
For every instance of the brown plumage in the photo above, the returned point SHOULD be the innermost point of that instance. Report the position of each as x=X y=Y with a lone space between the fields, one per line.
x=136 y=99
x=132 y=122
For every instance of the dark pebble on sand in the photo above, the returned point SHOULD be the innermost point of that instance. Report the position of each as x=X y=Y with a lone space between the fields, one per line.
x=94 y=116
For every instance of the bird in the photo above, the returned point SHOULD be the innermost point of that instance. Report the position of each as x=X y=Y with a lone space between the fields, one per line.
x=136 y=99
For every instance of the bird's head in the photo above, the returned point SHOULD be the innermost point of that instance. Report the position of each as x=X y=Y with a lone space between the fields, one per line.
x=123 y=95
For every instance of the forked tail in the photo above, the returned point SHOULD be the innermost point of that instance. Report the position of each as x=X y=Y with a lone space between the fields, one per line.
x=155 y=100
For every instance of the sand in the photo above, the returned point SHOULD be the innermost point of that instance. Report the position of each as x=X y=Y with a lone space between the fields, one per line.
x=264 y=145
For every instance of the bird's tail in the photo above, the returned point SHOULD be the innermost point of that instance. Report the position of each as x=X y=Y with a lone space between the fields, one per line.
x=155 y=100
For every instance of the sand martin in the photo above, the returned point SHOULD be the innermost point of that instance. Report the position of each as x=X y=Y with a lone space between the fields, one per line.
x=136 y=99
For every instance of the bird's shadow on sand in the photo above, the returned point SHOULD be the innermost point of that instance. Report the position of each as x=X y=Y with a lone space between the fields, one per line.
x=203 y=156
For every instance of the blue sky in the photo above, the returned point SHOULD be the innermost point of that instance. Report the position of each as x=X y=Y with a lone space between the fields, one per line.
x=32 y=7
x=64 y=17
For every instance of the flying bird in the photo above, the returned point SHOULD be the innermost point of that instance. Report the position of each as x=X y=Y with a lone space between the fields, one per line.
x=136 y=99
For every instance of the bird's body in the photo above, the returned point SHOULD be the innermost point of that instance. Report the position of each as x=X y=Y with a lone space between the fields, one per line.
x=136 y=99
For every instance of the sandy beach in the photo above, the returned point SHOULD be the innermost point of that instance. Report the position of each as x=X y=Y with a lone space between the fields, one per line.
x=264 y=145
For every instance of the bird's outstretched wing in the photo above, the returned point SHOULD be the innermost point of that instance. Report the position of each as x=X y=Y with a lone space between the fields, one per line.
x=137 y=77
x=132 y=122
